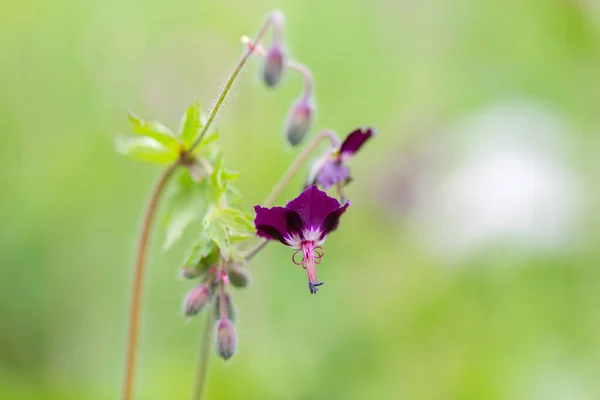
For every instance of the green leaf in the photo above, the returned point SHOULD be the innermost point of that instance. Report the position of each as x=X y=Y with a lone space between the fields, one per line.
x=191 y=123
x=203 y=256
x=186 y=204
x=179 y=220
x=218 y=185
x=236 y=220
x=154 y=130
x=220 y=181
x=236 y=224
x=218 y=233
x=145 y=149
x=202 y=250
x=229 y=175
x=234 y=196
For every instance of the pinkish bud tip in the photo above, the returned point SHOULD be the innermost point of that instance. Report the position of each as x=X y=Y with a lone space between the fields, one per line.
x=299 y=121
x=273 y=66
x=196 y=299
x=226 y=339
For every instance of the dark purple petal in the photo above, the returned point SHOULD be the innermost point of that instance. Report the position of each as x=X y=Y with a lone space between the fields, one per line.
x=276 y=223
x=331 y=222
x=331 y=173
x=355 y=140
x=313 y=206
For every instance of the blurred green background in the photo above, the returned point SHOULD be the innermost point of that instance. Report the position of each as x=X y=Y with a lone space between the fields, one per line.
x=412 y=308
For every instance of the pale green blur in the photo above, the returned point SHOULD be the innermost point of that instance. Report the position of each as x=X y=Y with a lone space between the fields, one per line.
x=396 y=319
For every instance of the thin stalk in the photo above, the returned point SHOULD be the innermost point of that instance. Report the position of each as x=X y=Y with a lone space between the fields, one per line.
x=293 y=169
x=255 y=250
x=230 y=82
x=132 y=336
x=203 y=357
x=207 y=336
x=138 y=280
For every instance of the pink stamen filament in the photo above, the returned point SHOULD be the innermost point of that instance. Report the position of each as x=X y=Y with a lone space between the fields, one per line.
x=308 y=249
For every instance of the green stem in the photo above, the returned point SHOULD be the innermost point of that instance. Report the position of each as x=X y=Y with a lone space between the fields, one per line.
x=204 y=355
x=255 y=250
x=229 y=83
x=137 y=283
x=207 y=336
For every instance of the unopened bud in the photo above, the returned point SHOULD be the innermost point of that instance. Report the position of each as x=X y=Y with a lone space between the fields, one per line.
x=239 y=276
x=224 y=300
x=273 y=66
x=226 y=339
x=299 y=121
x=196 y=299
x=191 y=272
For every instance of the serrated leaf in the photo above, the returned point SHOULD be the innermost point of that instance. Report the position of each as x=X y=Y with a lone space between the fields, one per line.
x=186 y=204
x=203 y=249
x=154 y=130
x=191 y=124
x=237 y=225
x=145 y=149
x=236 y=220
x=220 y=236
x=220 y=181
x=204 y=255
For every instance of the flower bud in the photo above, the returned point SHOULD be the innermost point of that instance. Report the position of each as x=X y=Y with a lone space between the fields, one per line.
x=299 y=121
x=226 y=339
x=239 y=276
x=273 y=66
x=191 y=272
x=196 y=299
x=226 y=300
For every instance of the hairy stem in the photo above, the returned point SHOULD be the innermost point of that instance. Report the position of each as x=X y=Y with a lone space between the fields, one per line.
x=203 y=356
x=274 y=17
x=230 y=82
x=138 y=280
x=293 y=169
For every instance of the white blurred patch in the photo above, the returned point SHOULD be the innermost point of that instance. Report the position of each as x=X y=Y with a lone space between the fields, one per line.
x=508 y=186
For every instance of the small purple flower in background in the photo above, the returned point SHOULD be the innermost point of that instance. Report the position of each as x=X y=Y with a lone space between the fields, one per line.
x=303 y=224
x=332 y=170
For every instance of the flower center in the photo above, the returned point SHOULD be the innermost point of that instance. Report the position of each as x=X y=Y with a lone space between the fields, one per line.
x=311 y=256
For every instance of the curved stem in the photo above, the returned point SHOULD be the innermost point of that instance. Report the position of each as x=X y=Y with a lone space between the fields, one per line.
x=234 y=74
x=138 y=280
x=306 y=74
x=290 y=173
x=203 y=356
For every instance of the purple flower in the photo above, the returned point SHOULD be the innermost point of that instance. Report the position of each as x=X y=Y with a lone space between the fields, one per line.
x=302 y=224
x=332 y=169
